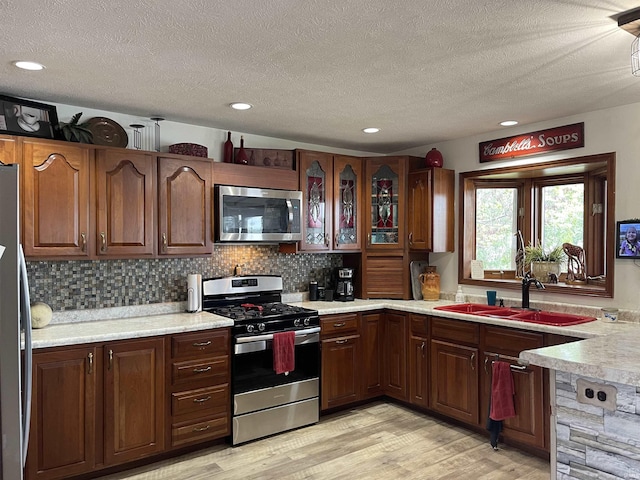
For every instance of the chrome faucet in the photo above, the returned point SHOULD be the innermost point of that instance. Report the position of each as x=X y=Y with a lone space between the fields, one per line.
x=527 y=280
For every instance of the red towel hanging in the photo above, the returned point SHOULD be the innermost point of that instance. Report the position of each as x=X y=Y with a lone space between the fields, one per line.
x=284 y=352
x=502 y=392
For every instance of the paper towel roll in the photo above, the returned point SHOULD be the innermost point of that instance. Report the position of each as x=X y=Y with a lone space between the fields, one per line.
x=194 y=292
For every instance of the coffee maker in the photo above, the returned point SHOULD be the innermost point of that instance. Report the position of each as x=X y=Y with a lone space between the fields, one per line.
x=344 y=284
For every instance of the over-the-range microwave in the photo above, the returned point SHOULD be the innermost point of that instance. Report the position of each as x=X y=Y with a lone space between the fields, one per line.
x=258 y=215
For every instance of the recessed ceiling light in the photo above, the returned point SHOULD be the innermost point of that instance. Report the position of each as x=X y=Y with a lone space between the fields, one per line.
x=508 y=123
x=241 y=106
x=371 y=130
x=28 y=65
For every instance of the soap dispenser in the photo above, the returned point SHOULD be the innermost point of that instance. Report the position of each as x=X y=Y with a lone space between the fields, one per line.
x=459 y=295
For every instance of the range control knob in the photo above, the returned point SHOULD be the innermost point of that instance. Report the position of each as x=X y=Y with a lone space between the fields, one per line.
x=261 y=327
x=250 y=328
x=306 y=322
x=296 y=322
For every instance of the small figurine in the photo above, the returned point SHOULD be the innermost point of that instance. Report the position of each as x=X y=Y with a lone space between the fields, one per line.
x=553 y=278
x=576 y=269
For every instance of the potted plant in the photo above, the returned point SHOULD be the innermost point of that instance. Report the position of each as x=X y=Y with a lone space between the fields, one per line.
x=76 y=132
x=543 y=262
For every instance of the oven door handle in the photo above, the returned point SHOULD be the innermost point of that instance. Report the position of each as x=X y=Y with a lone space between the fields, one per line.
x=269 y=336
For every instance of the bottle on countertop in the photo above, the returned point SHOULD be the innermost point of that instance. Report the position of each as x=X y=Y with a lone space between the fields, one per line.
x=460 y=297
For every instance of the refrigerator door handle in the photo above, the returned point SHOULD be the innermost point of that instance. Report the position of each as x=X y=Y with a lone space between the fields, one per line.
x=25 y=319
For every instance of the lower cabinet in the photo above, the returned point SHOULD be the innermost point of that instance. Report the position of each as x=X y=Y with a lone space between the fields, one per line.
x=341 y=361
x=133 y=400
x=394 y=354
x=419 y=361
x=63 y=413
x=454 y=369
x=528 y=426
x=371 y=325
x=199 y=387
x=99 y=405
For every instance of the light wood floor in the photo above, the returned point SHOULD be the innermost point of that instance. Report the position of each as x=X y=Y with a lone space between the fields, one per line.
x=377 y=441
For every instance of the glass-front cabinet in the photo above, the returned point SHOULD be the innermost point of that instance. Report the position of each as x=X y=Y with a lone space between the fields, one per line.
x=386 y=183
x=331 y=189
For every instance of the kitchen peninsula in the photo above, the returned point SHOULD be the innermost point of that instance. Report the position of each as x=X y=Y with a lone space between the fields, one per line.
x=414 y=325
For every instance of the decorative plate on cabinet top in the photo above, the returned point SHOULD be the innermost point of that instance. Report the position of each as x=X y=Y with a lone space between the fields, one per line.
x=107 y=132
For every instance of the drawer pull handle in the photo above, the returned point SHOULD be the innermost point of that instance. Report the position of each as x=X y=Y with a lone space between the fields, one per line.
x=521 y=368
x=422 y=349
x=202 y=370
x=202 y=344
x=341 y=341
x=338 y=325
x=202 y=400
x=103 y=239
x=164 y=242
x=83 y=242
x=473 y=361
x=486 y=360
x=202 y=429
x=110 y=359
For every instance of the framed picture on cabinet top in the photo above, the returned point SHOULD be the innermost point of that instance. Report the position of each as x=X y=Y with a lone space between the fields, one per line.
x=28 y=118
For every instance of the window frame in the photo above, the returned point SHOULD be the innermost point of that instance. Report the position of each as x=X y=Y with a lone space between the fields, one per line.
x=597 y=172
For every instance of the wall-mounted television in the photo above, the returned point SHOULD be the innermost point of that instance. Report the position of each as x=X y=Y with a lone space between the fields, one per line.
x=628 y=239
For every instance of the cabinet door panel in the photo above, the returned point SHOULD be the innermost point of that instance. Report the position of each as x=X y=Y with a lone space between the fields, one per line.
x=134 y=403
x=371 y=333
x=126 y=206
x=340 y=372
x=63 y=429
x=316 y=183
x=418 y=368
x=184 y=217
x=419 y=211
x=347 y=199
x=454 y=380
x=56 y=200
x=395 y=355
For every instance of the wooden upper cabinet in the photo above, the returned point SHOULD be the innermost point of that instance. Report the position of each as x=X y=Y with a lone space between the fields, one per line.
x=430 y=210
x=57 y=186
x=347 y=203
x=9 y=150
x=184 y=202
x=385 y=203
x=126 y=203
x=316 y=183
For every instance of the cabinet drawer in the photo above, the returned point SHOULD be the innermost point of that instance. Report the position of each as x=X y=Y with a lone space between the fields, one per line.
x=511 y=341
x=339 y=324
x=202 y=402
x=214 y=369
x=419 y=324
x=196 y=432
x=455 y=330
x=208 y=343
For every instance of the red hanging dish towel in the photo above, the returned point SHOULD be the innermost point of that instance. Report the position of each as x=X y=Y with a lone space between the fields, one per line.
x=284 y=359
x=502 y=391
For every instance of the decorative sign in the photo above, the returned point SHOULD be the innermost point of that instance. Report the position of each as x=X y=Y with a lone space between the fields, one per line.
x=552 y=139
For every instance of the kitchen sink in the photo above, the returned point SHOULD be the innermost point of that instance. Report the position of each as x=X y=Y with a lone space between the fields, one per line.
x=532 y=316
x=468 y=308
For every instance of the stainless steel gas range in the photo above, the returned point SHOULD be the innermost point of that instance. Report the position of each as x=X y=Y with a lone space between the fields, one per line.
x=265 y=402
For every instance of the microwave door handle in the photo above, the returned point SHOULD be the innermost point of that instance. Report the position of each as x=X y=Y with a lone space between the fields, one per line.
x=290 y=223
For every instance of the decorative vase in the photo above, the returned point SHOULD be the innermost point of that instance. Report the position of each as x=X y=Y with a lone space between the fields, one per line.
x=241 y=154
x=430 y=284
x=541 y=270
x=228 y=149
x=434 y=158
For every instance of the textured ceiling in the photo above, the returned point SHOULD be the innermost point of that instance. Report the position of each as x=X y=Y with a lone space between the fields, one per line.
x=320 y=71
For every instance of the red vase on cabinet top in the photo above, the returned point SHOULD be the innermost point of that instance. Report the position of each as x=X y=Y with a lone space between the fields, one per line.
x=241 y=154
x=434 y=158
x=228 y=149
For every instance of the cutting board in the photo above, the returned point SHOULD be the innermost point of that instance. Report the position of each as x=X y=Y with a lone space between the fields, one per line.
x=416 y=268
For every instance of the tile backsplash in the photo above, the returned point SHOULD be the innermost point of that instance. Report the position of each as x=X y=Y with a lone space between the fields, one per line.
x=84 y=284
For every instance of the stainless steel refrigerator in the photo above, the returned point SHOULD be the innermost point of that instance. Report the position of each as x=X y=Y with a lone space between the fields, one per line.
x=15 y=321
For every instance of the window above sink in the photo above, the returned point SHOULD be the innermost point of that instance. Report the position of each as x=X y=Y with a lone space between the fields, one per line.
x=567 y=200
